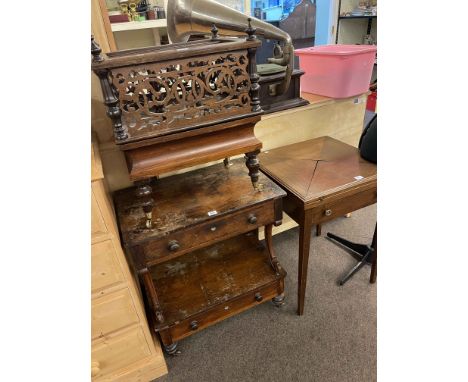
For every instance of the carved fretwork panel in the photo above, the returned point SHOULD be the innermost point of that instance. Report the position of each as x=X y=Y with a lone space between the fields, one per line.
x=156 y=98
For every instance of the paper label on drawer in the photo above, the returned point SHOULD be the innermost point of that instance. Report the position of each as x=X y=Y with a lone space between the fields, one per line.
x=359 y=177
x=212 y=213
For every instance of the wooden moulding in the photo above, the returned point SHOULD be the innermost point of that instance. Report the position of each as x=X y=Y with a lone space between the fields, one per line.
x=170 y=156
x=172 y=52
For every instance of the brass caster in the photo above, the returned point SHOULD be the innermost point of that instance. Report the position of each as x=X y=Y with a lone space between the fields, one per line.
x=149 y=220
x=258 y=186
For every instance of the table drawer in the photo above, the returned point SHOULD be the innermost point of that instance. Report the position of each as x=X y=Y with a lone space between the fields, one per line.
x=333 y=209
x=112 y=312
x=227 y=309
x=203 y=234
x=113 y=353
x=105 y=268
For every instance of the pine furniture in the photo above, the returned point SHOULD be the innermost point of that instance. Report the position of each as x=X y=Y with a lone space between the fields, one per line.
x=122 y=347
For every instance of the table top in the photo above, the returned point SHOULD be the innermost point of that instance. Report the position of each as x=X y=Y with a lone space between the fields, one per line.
x=317 y=168
x=191 y=198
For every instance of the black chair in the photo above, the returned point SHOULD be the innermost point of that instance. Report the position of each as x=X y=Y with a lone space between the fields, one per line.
x=365 y=254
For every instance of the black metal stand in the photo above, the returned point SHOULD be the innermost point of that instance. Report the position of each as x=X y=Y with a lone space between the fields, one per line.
x=365 y=254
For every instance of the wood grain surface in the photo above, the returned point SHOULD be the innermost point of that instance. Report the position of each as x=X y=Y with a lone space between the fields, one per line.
x=205 y=194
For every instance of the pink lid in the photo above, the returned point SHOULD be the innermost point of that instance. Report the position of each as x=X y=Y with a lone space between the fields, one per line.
x=337 y=50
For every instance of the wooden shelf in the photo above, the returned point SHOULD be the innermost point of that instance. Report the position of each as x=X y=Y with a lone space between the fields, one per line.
x=212 y=276
x=135 y=25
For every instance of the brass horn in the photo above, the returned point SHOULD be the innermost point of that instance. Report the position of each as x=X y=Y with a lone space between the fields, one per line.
x=187 y=17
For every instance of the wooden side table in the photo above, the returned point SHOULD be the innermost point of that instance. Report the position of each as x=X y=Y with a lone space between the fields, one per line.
x=324 y=179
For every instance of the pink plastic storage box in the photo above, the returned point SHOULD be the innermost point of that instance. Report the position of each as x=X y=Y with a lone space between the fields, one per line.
x=336 y=71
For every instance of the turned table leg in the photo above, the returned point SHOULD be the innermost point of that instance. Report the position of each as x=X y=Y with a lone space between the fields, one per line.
x=252 y=163
x=170 y=347
x=305 y=228
x=143 y=193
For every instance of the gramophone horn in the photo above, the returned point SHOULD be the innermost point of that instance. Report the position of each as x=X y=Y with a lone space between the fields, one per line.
x=187 y=17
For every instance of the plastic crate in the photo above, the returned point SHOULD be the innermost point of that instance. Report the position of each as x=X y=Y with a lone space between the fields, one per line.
x=336 y=71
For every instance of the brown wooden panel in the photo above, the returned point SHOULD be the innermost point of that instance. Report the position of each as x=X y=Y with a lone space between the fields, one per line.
x=170 y=156
x=202 y=279
x=318 y=168
x=217 y=229
x=225 y=310
x=225 y=190
x=331 y=210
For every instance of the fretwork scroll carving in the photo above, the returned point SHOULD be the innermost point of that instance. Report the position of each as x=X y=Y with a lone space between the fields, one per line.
x=156 y=98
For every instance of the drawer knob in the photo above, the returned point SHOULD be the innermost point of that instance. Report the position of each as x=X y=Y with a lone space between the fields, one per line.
x=212 y=229
x=252 y=219
x=194 y=325
x=173 y=245
x=95 y=368
x=258 y=297
x=328 y=212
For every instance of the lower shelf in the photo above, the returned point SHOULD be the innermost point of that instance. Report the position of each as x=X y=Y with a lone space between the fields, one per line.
x=206 y=286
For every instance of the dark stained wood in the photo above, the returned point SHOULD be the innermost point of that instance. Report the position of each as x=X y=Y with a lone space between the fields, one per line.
x=304 y=249
x=211 y=276
x=175 y=155
x=177 y=243
x=269 y=242
x=173 y=51
x=271 y=103
x=319 y=177
x=171 y=88
x=254 y=77
x=193 y=130
x=253 y=165
x=318 y=169
x=202 y=251
x=184 y=104
x=318 y=231
x=226 y=190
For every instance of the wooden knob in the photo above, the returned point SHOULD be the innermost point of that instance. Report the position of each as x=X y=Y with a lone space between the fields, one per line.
x=173 y=245
x=258 y=297
x=194 y=325
x=328 y=212
x=95 y=368
x=252 y=219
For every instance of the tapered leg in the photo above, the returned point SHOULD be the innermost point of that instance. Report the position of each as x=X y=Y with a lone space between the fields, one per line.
x=304 y=246
x=373 y=275
x=319 y=229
